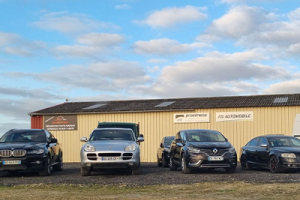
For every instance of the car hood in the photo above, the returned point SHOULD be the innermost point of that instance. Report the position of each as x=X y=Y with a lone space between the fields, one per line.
x=31 y=145
x=111 y=145
x=287 y=149
x=209 y=145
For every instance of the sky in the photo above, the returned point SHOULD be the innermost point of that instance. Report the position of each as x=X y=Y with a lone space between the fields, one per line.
x=100 y=50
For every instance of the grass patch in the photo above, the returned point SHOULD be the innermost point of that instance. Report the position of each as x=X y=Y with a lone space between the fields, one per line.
x=207 y=190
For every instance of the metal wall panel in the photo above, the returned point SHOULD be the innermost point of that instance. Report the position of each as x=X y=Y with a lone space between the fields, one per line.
x=37 y=122
x=155 y=125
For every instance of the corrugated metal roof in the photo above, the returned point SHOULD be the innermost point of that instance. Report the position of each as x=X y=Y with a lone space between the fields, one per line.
x=144 y=105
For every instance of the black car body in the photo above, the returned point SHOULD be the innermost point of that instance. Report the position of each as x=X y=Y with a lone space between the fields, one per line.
x=274 y=152
x=30 y=150
x=163 y=150
x=202 y=148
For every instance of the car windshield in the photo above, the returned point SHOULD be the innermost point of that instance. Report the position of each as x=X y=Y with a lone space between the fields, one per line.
x=23 y=136
x=168 y=141
x=112 y=135
x=284 y=142
x=204 y=136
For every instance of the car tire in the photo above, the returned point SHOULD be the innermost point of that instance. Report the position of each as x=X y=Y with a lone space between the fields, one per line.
x=59 y=166
x=85 y=171
x=230 y=170
x=172 y=166
x=184 y=168
x=164 y=162
x=274 y=165
x=46 y=171
x=158 y=163
x=244 y=164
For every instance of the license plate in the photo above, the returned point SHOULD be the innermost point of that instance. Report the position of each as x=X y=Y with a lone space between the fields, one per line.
x=110 y=158
x=215 y=158
x=11 y=162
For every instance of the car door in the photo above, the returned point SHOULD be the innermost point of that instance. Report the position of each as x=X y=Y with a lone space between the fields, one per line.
x=177 y=147
x=53 y=147
x=263 y=152
x=160 y=150
x=251 y=151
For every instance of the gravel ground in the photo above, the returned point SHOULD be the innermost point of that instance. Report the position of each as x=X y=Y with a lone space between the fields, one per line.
x=150 y=174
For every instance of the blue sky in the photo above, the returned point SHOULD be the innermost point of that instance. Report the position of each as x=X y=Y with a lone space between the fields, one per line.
x=96 y=50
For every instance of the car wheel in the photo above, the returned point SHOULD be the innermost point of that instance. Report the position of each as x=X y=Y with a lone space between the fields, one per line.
x=184 y=169
x=85 y=171
x=59 y=166
x=158 y=163
x=46 y=171
x=164 y=162
x=274 y=165
x=230 y=170
x=12 y=172
x=244 y=164
x=172 y=166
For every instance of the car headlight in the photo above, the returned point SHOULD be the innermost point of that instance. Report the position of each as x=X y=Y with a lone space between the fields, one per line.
x=193 y=150
x=89 y=147
x=288 y=155
x=36 y=151
x=231 y=150
x=130 y=147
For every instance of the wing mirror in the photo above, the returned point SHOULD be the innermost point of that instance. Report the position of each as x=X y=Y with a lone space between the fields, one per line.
x=83 y=139
x=140 y=139
x=53 y=140
x=264 y=146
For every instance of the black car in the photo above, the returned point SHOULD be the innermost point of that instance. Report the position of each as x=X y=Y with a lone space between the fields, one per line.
x=163 y=157
x=202 y=148
x=277 y=153
x=30 y=149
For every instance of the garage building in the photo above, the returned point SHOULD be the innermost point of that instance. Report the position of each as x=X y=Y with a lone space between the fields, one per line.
x=239 y=118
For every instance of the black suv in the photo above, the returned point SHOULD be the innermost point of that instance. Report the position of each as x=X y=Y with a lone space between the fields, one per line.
x=163 y=150
x=30 y=149
x=202 y=148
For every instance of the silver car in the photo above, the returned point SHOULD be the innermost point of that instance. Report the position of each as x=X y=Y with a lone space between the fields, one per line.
x=109 y=148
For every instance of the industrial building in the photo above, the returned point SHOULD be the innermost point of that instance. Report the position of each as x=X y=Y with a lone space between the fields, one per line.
x=239 y=118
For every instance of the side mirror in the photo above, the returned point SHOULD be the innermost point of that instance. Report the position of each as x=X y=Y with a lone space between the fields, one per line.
x=141 y=135
x=53 y=140
x=83 y=139
x=140 y=139
x=264 y=146
x=162 y=145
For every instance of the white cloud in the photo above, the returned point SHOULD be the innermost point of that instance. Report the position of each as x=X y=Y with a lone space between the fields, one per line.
x=164 y=46
x=239 y=21
x=284 y=87
x=92 y=45
x=101 y=76
x=101 y=39
x=122 y=6
x=156 y=60
x=14 y=44
x=170 y=17
x=71 y=23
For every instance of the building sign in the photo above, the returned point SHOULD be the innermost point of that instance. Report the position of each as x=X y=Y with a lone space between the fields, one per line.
x=191 y=117
x=234 y=116
x=60 y=122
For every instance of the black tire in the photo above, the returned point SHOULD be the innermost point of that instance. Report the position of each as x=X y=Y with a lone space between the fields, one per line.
x=85 y=171
x=59 y=166
x=46 y=171
x=230 y=170
x=244 y=164
x=13 y=173
x=158 y=163
x=274 y=165
x=172 y=166
x=184 y=168
x=164 y=162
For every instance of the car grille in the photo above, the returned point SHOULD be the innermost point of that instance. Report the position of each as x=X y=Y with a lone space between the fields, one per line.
x=209 y=152
x=12 y=153
x=94 y=156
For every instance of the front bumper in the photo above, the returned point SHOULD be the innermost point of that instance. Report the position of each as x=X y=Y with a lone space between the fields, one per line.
x=289 y=163
x=201 y=160
x=27 y=163
x=110 y=160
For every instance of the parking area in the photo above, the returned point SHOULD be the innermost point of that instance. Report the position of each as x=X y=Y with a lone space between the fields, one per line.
x=150 y=174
